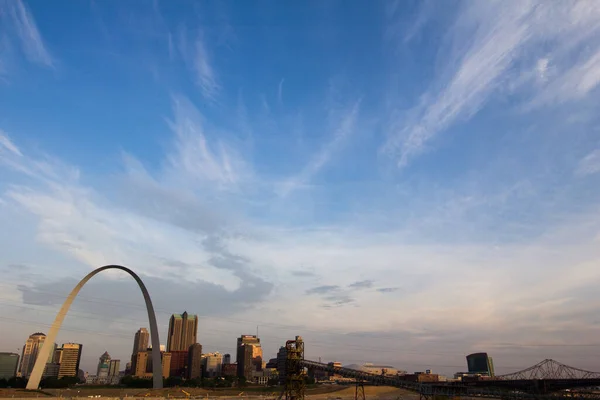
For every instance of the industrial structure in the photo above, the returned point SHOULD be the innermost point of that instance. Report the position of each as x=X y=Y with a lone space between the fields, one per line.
x=546 y=380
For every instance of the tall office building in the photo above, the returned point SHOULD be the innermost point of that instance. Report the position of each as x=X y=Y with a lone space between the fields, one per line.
x=144 y=364
x=226 y=358
x=71 y=356
x=140 y=343
x=113 y=367
x=103 y=362
x=183 y=330
x=30 y=352
x=281 y=364
x=254 y=341
x=195 y=361
x=8 y=365
x=141 y=340
x=480 y=363
x=245 y=368
x=249 y=355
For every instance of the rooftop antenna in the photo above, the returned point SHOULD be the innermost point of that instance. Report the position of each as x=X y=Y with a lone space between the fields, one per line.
x=256 y=330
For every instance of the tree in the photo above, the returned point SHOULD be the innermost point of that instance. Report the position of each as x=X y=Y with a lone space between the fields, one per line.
x=3 y=383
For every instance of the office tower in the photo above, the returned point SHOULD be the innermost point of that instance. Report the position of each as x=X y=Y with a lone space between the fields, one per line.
x=212 y=364
x=51 y=370
x=480 y=363
x=249 y=355
x=183 y=329
x=71 y=356
x=140 y=343
x=195 y=361
x=252 y=340
x=166 y=363
x=141 y=340
x=113 y=367
x=226 y=358
x=281 y=364
x=245 y=367
x=9 y=363
x=103 y=362
x=30 y=352
x=144 y=364
x=179 y=363
x=57 y=355
x=141 y=364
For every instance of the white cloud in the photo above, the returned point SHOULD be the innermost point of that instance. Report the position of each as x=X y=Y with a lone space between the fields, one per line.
x=488 y=39
x=205 y=74
x=27 y=32
x=346 y=127
x=8 y=144
x=195 y=53
x=590 y=164
x=198 y=157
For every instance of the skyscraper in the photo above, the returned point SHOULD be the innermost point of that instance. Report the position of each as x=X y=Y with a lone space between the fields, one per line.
x=71 y=356
x=140 y=343
x=113 y=367
x=8 y=365
x=30 y=352
x=104 y=360
x=141 y=340
x=195 y=361
x=183 y=330
x=226 y=358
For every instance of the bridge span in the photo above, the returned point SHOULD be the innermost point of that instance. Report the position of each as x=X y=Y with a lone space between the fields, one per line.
x=546 y=380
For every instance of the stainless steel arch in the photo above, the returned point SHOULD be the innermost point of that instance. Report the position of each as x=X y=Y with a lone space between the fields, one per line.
x=44 y=353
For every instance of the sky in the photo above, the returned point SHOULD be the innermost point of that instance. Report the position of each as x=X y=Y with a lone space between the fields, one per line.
x=399 y=182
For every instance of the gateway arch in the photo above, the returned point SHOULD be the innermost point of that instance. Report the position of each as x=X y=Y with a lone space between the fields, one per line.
x=44 y=352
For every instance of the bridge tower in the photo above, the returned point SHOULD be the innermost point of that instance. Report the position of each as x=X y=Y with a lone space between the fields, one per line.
x=295 y=377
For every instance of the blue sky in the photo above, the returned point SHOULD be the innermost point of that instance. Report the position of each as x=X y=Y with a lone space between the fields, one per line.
x=353 y=172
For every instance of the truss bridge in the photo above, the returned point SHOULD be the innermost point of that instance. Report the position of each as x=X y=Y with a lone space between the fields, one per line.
x=547 y=380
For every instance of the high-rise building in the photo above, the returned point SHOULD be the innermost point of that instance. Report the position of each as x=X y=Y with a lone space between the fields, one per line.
x=245 y=368
x=113 y=367
x=103 y=362
x=141 y=364
x=8 y=365
x=480 y=363
x=195 y=361
x=249 y=355
x=69 y=362
x=183 y=330
x=30 y=352
x=226 y=358
x=212 y=364
x=140 y=343
x=51 y=370
x=144 y=364
x=179 y=363
x=281 y=364
x=141 y=340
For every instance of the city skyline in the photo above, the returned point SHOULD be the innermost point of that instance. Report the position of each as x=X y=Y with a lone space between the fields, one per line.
x=397 y=182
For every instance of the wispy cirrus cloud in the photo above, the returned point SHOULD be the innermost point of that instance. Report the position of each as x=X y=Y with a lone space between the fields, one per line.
x=197 y=56
x=590 y=164
x=346 y=125
x=17 y=17
x=486 y=41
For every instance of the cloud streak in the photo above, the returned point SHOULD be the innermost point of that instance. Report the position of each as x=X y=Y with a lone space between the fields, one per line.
x=346 y=127
x=487 y=40
x=27 y=32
